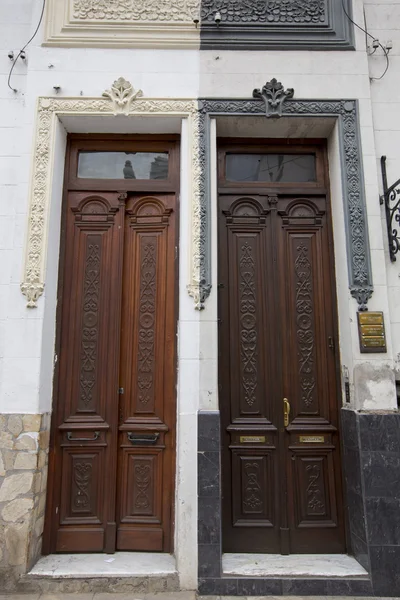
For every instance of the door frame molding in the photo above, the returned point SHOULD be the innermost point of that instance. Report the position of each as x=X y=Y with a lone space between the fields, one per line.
x=120 y=105
x=346 y=113
x=199 y=112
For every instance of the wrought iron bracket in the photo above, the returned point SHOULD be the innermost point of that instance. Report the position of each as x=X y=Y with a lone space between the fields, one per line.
x=391 y=199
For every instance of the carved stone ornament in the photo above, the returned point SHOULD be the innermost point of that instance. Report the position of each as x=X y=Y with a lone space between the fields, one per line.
x=123 y=23
x=118 y=99
x=274 y=95
x=121 y=95
x=136 y=10
x=244 y=25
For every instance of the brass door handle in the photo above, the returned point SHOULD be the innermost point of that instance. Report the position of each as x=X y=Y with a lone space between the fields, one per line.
x=286 y=412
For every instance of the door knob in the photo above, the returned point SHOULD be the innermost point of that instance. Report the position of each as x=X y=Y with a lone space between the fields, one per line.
x=286 y=412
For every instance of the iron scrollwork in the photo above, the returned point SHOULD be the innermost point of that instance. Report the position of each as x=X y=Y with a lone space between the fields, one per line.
x=391 y=199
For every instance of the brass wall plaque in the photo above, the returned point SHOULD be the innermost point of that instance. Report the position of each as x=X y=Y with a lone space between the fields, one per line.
x=371 y=331
x=248 y=439
x=311 y=439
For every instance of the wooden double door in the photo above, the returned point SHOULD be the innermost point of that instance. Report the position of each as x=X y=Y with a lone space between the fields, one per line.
x=112 y=456
x=277 y=341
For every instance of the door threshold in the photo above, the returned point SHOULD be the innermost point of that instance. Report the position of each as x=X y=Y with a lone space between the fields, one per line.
x=120 y=564
x=293 y=565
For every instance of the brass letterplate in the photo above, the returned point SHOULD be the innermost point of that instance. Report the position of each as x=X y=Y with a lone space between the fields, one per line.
x=311 y=439
x=249 y=439
x=371 y=330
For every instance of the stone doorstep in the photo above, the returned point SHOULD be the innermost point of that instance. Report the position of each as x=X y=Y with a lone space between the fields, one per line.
x=141 y=585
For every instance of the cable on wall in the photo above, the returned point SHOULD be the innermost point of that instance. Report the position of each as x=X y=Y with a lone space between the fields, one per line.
x=376 y=42
x=22 y=51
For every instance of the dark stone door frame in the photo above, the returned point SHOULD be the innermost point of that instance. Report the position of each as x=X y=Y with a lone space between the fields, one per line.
x=346 y=112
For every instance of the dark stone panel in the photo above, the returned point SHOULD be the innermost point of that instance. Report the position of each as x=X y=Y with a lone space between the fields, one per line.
x=209 y=560
x=381 y=474
x=208 y=431
x=352 y=470
x=304 y=587
x=208 y=474
x=349 y=587
x=349 y=428
x=383 y=521
x=380 y=432
x=209 y=520
x=359 y=550
x=259 y=587
x=217 y=587
x=385 y=571
x=242 y=25
x=355 y=508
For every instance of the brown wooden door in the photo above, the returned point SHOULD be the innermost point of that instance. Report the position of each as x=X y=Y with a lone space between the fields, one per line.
x=111 y=472
x=147 y=407
x=281 y=482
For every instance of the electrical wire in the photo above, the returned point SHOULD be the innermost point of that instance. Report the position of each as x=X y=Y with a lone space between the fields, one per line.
x=372 y=37
x=23 y=49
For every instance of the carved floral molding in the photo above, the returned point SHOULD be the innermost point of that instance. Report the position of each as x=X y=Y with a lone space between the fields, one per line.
x=120 y=99
x=242 y=24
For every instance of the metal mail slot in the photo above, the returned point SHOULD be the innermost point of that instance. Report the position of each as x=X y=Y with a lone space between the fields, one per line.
x=143 y=439
x=248 y=439
x=311 y=439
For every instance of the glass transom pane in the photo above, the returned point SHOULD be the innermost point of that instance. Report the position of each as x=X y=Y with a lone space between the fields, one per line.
x=123 y=165
x=284 y=168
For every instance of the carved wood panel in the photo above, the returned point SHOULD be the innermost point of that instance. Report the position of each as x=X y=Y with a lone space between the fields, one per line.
x=112 y=472
x=253 y=498
x=81 y=505
x=147 y=374
x=281 y=484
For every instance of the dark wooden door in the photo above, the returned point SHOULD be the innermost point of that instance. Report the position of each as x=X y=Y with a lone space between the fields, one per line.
x=111 y=470
x=281 y=479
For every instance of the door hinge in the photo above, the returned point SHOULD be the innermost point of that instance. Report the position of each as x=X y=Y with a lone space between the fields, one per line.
x=331 y=343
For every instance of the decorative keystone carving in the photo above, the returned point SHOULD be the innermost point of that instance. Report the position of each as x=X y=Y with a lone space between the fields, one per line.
x=274 y=95
x=121 y=95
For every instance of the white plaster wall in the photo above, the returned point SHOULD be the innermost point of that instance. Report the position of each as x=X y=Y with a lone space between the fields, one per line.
x=383 y=21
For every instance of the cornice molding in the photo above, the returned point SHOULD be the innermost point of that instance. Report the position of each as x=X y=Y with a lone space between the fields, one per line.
x=123 y=23
x=242 y=25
